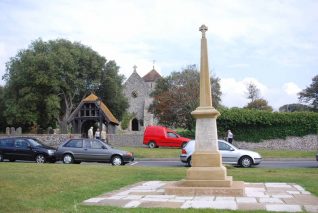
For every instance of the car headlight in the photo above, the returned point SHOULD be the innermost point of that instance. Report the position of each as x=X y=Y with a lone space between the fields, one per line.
x=51 y=151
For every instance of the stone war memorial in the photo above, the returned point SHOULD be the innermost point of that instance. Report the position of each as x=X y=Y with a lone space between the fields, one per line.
x=206 y=184
x=207 y=176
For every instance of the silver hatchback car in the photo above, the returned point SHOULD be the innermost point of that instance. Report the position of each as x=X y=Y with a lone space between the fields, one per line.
x=91 y=150
x=230 y=154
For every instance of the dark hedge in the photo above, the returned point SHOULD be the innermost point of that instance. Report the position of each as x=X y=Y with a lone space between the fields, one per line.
x=257 y=125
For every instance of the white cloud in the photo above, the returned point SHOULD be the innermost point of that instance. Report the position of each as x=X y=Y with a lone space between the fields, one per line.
x=291 y=89
x=235 y=92
x=245 y=35
x=2 y=49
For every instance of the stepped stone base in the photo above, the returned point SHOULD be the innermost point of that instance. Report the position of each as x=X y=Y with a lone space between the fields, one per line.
x=207 y=177
x=186 y=188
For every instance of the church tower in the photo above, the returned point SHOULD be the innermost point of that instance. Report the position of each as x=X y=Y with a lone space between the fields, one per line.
x=137 y=90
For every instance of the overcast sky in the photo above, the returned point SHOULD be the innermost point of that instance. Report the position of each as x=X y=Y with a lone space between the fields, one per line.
x=270 y=43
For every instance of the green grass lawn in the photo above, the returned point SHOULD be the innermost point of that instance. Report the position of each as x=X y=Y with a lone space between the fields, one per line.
x=145 y=152
x=30 y=187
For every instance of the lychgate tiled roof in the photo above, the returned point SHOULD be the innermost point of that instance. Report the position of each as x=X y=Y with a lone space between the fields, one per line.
x=93 y=98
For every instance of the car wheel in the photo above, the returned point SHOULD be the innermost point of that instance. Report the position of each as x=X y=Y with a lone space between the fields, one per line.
x=117 y=161
x=40 y=158
x=152 y=145
x=1 y=157
x=189 y=161
x=68 y=159
x=246 y=161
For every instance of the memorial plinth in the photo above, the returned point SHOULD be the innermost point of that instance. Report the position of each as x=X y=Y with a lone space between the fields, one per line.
x=207 y=176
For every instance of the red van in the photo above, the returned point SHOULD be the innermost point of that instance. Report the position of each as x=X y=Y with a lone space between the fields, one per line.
x=156 y=136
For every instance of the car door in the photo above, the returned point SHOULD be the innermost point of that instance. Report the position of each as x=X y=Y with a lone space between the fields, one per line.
x=87 y=154
x=172 y=140
x=23 y=150
x=229 y=154
x=96 y=151
x=75 y=146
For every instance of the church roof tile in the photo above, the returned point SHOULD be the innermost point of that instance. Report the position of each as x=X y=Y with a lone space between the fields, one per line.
x=93 y=98
x=151 y=76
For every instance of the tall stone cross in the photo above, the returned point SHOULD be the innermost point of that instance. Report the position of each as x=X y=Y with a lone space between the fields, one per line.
x=207 y=170
x=203 y=29
x=207 y=176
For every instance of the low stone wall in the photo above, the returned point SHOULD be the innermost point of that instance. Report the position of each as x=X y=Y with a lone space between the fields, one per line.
x=53 y=140
x=135 y=139
x=309 y=142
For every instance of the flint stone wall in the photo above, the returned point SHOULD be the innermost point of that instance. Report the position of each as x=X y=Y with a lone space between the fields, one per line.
x=309 y=142
x=53 y=140
x=135 y=139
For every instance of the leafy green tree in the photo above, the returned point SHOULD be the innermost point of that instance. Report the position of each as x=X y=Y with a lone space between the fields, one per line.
x=259 y=104
x=310 y=94
x=2 y=119
x=253 y=92
x=125 y=120
x=46 y=82
x=110 y=89
x=294 y=108
x=177 y=95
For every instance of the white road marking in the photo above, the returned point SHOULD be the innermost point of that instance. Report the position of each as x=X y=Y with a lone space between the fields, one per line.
x=134 y=163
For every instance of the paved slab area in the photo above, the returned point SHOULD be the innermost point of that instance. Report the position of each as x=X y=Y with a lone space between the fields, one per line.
x=280 y=197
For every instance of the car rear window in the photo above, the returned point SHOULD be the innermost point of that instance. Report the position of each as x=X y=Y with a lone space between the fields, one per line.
x=96 y=145
x=21 y=143
x=74 y=144
x=6 y=142
x=92 y=144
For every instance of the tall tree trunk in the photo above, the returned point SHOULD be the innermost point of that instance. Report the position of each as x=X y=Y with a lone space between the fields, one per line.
x=63 y=127
x=62 y=120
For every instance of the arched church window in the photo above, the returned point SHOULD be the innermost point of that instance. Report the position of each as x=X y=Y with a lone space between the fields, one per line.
x=135 y=125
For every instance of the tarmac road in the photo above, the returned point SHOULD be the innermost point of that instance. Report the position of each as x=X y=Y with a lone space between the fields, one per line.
x=271 y=163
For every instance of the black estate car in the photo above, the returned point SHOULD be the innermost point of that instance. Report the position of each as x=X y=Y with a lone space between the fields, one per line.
x=91 y=150
x=26 y=148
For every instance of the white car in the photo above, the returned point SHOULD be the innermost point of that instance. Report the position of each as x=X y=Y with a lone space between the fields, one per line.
x=230 y=154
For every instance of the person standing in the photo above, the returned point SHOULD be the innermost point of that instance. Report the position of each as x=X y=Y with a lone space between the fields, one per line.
x=229 y=136
x=97 y=134
x=90 y=133
x=103 y=134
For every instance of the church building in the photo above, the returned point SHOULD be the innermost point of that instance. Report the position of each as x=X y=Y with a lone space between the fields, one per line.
x=137 y=90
